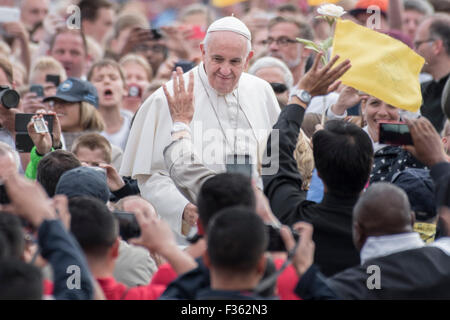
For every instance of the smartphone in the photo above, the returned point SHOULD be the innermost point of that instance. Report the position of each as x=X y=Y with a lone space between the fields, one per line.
x=134 y=91
x=128 y=225
x=9 y=14
x=242 y=164
x=394 y=133
x=53 y=78
x=276 y=243
x=38 y=89
x=184 y=65
x=23 y=140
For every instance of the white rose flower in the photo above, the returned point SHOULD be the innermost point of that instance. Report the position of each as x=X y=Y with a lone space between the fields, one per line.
x=331 y=10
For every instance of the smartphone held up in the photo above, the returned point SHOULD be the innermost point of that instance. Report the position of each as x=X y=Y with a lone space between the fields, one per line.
x=394 y=133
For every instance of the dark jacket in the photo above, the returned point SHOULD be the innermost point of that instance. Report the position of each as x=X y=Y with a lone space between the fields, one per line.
x=187 y=285
x=210 y=294
x=390 y=160
x=331 y=219
x=431 y=107
x=421 y=273
x=65 y=256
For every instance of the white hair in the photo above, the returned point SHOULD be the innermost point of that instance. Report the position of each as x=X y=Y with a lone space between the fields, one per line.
x=271 y=62
x=208 y=35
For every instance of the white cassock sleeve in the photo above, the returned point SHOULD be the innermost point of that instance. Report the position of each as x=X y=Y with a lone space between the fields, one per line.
x=143 y=160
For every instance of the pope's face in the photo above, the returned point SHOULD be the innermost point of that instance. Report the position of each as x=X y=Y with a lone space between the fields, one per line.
x=225 y=58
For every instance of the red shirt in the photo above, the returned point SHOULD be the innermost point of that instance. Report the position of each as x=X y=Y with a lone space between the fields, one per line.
x=164 y=275
x=114 y=290
x=287 y=281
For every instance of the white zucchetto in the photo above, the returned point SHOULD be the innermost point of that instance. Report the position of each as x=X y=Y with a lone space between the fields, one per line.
x=230 y=24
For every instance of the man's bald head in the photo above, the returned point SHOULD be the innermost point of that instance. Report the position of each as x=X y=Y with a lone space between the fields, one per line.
x=382 y=210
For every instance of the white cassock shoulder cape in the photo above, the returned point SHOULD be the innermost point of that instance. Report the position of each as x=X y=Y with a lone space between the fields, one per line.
x=143 y=158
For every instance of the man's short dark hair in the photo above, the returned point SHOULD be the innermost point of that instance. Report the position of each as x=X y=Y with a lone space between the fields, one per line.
x=20 y=280
x=12 y=234
x=237 y=238
x=89 y=8
x=343 y=154
x=440 y=29
x=222 y=191
x=52 y=166
x=93 y=225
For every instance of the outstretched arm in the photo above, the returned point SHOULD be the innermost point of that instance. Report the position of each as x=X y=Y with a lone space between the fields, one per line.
x=284 y=186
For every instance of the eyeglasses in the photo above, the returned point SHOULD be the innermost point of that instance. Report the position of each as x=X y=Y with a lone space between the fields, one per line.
x=417 y=44
x=278 y=87
x=282 y=41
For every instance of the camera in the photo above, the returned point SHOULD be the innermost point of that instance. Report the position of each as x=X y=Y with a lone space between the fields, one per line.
x=128 y=225
x=9 y=98
x=276 y=243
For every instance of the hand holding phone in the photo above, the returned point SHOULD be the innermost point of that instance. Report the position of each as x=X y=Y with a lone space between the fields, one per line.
x=276 y=242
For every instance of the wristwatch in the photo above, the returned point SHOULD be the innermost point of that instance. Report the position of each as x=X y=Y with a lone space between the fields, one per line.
x=303 y=95
x=180 y=126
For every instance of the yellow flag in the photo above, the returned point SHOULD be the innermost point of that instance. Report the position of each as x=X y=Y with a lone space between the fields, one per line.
x=319 y=2
x=382 y=66
x=224 y=3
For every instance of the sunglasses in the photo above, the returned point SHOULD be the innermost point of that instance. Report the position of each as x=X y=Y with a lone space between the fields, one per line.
x=278 y=87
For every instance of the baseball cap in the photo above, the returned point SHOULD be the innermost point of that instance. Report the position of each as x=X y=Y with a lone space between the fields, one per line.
x=76 y=90
x=362 y=5
x=84 y=181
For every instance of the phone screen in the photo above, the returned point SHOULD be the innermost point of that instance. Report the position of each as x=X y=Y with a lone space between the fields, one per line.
x=396 y=134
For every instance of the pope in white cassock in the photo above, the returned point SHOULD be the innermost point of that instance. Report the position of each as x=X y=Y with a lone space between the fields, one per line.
x=234 y=114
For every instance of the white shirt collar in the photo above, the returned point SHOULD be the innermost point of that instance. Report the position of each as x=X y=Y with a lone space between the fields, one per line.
x=376 y=145
x=375 y=247
x=211 y=90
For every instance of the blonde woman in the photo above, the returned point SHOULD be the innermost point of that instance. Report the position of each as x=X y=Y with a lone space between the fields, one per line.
x=75 y=104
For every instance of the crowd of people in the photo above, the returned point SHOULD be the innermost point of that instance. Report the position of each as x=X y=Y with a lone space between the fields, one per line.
x=196 y=150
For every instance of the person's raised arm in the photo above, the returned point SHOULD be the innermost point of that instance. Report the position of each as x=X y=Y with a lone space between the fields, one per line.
x=395 y=15
x=29 y=201
x=285 y=186
x=185 y=168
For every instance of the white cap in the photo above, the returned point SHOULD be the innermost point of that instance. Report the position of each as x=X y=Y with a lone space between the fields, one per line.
x=230 y=24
